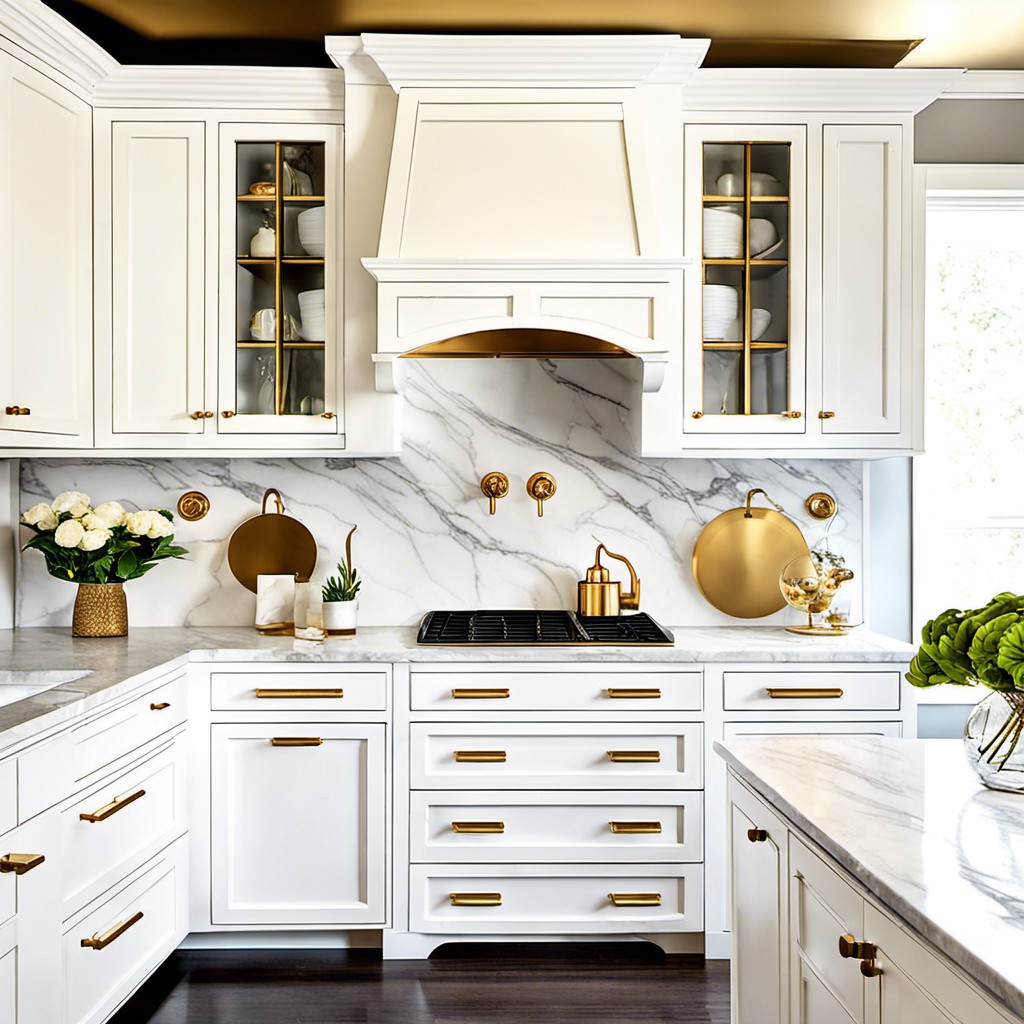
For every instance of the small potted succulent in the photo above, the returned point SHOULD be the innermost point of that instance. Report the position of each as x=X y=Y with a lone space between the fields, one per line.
x=341 y=604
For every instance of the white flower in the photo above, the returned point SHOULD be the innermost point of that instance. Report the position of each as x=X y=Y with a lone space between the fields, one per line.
x=148 y=523
x=93 y=540
x=69 y=534
x=42 y=516
x=74 y=502
x=110 y=513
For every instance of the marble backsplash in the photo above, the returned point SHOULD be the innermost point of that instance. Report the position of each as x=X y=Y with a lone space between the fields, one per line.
x=425 y=539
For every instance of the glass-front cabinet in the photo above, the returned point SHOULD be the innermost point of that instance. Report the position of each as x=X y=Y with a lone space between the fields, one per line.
x=744 y=350
x=280 y=240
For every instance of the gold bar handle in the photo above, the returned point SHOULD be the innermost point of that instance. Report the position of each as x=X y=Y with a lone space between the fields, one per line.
x=803 y=692
x=635 y=828
x=98 y=942
x=495 y=693
x=481 y=756
x=162 y=706
x=475 y=899
x=112 y=808
x=635 y=899
x=479 y=828
x=285 y=694
x=634 y=756
x=296 y=741
x=19 y=863
x=639 y=692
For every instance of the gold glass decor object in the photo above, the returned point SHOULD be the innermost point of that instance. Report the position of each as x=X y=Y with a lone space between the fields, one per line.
x=810 y=588
x=101 y=609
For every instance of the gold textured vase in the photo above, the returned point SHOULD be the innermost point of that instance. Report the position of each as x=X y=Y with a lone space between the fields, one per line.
x=101 y=609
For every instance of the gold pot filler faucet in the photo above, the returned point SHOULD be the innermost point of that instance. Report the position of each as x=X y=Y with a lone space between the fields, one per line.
x=599 y=595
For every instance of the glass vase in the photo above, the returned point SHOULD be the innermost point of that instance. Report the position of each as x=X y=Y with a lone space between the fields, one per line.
x=994 y=741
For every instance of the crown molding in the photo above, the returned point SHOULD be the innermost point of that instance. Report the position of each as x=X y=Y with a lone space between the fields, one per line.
x=895 y=90
x=987 y=85
x=418 y=61
x=48 y=38
x=224 y=87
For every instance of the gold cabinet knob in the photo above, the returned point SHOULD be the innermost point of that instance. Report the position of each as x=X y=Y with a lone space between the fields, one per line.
x=494 y=485
x=228 y=413
x=540 y=487
x=697 y=414
x=197 y=415
x=851 y=949
x=823 y=415
x=327 y=415
x=793 y=414
x=757 y=835
x=17 y=410
x=207 y=415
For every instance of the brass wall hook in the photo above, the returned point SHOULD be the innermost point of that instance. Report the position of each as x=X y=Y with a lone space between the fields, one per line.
x=540 y=487
x=494 y=485
x=821 y=505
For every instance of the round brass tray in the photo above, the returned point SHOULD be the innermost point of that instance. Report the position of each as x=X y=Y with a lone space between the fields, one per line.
x=740 y=555
x=271 y=544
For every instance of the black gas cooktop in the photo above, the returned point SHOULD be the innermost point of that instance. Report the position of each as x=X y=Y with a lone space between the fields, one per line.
x=532 y=628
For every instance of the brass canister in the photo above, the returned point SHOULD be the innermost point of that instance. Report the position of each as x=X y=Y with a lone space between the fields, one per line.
x=101 y=609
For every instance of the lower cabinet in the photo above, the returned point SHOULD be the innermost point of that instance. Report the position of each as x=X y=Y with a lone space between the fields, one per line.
x=298 y=824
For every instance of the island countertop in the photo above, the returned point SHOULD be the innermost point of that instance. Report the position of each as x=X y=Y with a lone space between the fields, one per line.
x=122 y=663
x=911 y=822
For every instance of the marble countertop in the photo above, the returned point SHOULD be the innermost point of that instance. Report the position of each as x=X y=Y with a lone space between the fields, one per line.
x=909 y=820
x=150 y=651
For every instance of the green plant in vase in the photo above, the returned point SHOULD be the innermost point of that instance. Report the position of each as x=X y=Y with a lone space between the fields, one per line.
x=340 y=595
x=982 y=647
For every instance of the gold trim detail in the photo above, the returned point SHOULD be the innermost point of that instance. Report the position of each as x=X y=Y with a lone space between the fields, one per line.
x=20 y=863
x=99 y=942
x=635 y=756
x=519 y=343
x=479 y=828
x=112 y=808
x=480 y=756
x=282 y=694
x=803 y=692
x=193 y=505
x=475 y=899
x=494 y=693
x=635 y=899
x=635 y=828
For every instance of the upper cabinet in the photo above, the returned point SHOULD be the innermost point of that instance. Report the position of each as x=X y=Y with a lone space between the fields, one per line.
x=45 y=262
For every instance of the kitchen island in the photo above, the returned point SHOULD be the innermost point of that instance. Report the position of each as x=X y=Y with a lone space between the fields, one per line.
x=893 y=845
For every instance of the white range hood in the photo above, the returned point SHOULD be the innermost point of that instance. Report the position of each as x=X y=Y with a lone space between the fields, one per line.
x=534 y=203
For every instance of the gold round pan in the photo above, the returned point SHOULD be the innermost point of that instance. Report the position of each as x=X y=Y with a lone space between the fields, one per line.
x=271 y=543
x=739 y=556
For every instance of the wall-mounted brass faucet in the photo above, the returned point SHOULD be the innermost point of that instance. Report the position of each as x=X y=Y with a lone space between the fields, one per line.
x=540 y=487
x=494 y=486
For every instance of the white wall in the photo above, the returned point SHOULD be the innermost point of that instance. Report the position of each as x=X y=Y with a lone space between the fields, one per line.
x=425 y=539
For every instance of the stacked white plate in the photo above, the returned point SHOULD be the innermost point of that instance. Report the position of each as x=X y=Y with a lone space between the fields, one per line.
x=723 y=233
x=721 y=301
x=311 y=230
x=311 y=307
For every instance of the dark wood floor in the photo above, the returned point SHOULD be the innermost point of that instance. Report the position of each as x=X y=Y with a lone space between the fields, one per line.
x=516 y=984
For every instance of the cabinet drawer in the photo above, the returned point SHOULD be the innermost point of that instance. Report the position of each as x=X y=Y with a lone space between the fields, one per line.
x=564 y=899
x=571 y=756
x=299 y=691
x=738 y=730
x=107 y=829
x=482 y=688
x=555 y=827
x=8 y=795
x=129 y=933
x=812 y=691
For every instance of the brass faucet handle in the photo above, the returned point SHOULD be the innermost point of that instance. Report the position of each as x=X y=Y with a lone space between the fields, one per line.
x=540 y=487
x=494 y=485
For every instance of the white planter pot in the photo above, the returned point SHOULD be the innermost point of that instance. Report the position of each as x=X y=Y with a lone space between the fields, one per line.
x=340 y=617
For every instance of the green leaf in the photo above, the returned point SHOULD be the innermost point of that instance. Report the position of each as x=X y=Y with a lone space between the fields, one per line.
x=1011 y=653
x=127 y=564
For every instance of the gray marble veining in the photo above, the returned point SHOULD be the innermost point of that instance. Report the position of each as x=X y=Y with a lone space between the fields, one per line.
x=149 y=652
x=425 y=539
x=910 y=821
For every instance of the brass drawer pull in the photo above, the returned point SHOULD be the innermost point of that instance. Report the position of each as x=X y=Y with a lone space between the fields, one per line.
x=102 y=941
x=479 y=828
x=635 y=899
x=803 y=692
x=475 y=899
x=296 y=741
x=228 y=413
x=286 y=694
x=17 y=410
x=162 y=706
x=757 y=835
x=634 y=756
x=497 y=693
x=826 y=415
x=638 y=692
x=851 y=949
x=481 y=756
x=635 y=828
x=112 y=808
x=20 y=863
x=793 y=414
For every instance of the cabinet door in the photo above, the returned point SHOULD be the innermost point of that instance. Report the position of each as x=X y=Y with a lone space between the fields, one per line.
x=298 y=824
x=156 y=361
x=866 y=344
x=759 y=899
x=744 y=344
x=45 y=263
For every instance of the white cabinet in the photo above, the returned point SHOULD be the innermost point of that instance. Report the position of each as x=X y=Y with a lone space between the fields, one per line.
x=45 y=262
x=866 y=353
x=151 y=241
x=298 y=824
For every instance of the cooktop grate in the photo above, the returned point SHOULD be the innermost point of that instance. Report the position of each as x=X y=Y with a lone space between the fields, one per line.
x=526 y=627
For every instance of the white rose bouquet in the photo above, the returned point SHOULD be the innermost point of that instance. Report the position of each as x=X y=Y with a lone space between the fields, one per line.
x=105 y=544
